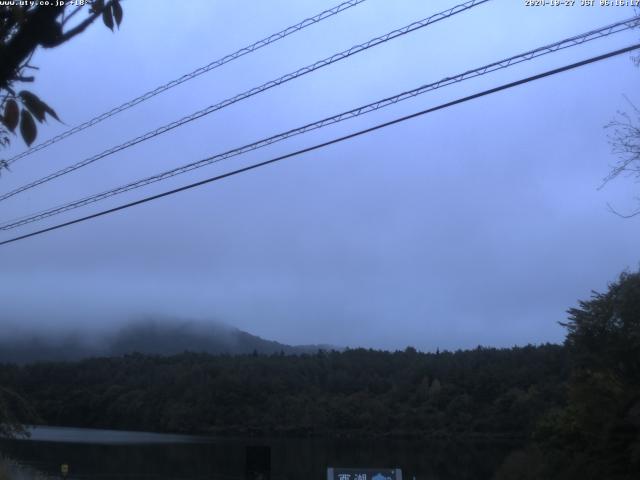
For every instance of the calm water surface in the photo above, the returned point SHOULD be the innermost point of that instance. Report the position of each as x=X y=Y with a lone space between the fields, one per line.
x=110 y=454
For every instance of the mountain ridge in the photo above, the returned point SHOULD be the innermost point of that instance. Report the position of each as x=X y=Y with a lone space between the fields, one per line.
x=147 y=336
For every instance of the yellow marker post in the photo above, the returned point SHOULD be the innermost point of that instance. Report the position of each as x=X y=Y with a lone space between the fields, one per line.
x=64 y=470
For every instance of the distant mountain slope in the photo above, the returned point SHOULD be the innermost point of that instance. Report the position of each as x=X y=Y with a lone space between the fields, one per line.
x=166 y=337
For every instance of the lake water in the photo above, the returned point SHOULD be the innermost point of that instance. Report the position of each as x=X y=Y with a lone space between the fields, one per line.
x=109 y=454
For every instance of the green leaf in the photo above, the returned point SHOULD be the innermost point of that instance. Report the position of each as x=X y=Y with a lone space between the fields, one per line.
x=36 y=106
x=11 y=114
x=50 y=111
x=117 y=11
x=28 y=128
x=107 y=18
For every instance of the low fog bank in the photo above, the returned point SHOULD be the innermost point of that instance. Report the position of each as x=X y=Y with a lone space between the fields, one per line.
x=22 y=343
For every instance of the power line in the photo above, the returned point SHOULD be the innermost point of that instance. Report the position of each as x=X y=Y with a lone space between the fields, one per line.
x=331 y=142
x=254 y=91
x=502 y=64
x=189 y=76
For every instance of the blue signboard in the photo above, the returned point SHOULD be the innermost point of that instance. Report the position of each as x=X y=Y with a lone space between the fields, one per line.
x=364 y=473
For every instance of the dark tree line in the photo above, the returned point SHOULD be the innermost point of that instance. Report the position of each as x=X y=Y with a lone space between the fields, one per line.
x=596 y=435
x=356 y=392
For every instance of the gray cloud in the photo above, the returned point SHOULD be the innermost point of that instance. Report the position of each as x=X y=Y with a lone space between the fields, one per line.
x=477 y=224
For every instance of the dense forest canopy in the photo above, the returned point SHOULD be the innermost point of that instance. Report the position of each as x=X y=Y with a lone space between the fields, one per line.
x=597 y=435
x=356 y=392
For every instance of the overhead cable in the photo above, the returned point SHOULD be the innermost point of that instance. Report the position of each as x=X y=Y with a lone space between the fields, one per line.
x=502 y=64
x=189 y=76
x=330 y=142
x=254 y=91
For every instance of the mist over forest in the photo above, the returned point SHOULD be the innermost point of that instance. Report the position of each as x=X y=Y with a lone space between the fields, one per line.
x=147 y=335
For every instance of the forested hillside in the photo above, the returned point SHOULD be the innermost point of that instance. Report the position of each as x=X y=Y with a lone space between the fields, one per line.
x=356 y=392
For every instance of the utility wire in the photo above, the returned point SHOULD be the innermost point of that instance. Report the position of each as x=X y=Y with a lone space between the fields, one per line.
x=254 y=91
x=334 y=141
x=502 y=64
x=195 y=73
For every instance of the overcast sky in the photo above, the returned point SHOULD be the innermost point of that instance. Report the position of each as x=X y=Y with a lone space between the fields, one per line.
x=478 y=224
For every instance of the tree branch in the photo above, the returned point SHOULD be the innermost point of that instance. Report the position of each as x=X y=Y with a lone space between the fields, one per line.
x=621 y=215
x=81 y=27
x=38 y=28
x=66 y=18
